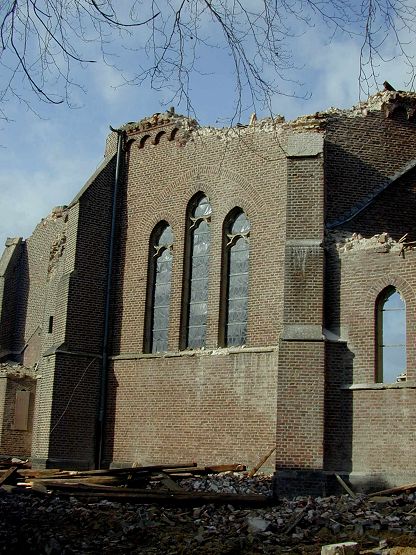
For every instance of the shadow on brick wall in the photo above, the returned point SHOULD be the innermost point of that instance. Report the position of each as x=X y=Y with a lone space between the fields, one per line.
x=339 y=371
x=22 y=297
x=116 y=316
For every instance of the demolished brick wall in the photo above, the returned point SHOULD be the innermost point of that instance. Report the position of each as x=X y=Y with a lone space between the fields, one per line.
x=305 y=378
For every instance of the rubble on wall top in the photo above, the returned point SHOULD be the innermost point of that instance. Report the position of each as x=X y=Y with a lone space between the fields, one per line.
x=386 y=101
x=345 y=241
x=56 y=213
x=158 y=120
x=11 y=368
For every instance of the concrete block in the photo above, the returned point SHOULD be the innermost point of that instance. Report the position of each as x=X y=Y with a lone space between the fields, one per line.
x=345 y=548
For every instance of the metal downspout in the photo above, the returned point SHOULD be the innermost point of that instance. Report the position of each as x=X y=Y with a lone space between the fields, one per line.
x=104 y=352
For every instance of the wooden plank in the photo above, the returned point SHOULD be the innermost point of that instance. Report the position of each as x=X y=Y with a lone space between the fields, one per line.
x=261 y=462
x=296 y=520
x=51 y=474
x=397 y=489
x=203 y=471
x=8 y=475
x=29 y=473
x=163 y=498
x=226 y=468
x=345 y=486
x=90 y=480
x=129 y=470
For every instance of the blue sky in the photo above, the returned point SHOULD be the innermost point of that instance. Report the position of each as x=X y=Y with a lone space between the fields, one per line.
x=46 y=158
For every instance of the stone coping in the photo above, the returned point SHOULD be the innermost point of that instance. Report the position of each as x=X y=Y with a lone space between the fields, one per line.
x=196 y=352
x=399 y=385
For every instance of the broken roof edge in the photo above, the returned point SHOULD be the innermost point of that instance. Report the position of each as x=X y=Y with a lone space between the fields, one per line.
x=12 y=369
x=377 y=102
x=9 y=249
x=369 y=199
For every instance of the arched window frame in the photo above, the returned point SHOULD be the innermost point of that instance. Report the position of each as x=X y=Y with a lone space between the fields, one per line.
x=229 y=240
x=382 y=299
x=192 y=223
x=156 y=250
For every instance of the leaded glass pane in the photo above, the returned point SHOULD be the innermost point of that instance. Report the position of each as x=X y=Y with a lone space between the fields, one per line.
x=241 y=224
x=161 y=291
x=203 y=208
x=393 y=338
x=237 y=282
x=160 y=341
x=200 y=267
x=196 y=336
x=236 y=334
x=198 y=292
x=237 y=308
x=198 y=314
x=166 y=237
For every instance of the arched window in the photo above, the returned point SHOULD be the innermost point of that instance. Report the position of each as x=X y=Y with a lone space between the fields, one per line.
x=158 y=289
x=391 y=336
x=234 y=290
x=196 y=265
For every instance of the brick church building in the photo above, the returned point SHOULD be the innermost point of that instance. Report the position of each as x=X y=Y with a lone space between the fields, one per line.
x=212 y=293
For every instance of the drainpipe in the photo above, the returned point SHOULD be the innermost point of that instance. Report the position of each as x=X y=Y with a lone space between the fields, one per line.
x=104 y=352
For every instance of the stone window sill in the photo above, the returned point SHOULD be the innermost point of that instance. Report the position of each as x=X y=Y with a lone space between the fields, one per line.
x=196 y=352
x=399 y=385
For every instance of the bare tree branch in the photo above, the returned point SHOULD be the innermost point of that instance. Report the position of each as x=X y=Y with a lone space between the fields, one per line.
x=42 y=41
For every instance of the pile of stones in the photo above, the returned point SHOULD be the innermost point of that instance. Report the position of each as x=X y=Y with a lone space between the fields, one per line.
x=51 y=525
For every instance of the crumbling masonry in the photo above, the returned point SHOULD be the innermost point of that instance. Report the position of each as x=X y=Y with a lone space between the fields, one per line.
x=229 y=298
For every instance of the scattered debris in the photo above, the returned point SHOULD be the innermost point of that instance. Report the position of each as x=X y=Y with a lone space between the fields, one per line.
x=345 y=241
x=345 y=548
x=397 y=489
x=45 y=521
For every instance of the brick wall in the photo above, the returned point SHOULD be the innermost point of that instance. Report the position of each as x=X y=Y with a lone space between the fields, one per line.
x=210 y=408
x=34 y=278
x=369 y=427
x=226 y=405
x=67 y=398
x=161 y=180
x=213 y=407
x=361 y=152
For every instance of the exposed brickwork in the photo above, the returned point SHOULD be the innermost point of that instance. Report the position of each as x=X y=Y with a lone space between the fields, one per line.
x=206 y=408
x=247 y=182
x=300 y=405
x=371 y=148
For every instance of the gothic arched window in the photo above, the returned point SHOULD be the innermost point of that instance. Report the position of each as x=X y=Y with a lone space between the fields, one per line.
x=234 y=290
x=158 y=289
x=391 y=336
x=196 y=266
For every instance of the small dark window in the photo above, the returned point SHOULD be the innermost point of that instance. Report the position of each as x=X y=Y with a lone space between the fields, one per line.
x=158 y=290
x=196 y=272
x=391 y=336
x=234 y=294
x=50 y=324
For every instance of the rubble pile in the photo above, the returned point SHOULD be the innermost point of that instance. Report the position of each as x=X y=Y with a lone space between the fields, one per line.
x=11 y=368
x=38 y=523
x=346 y=241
